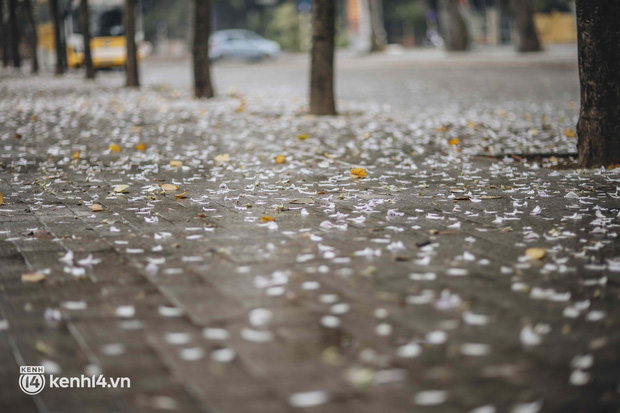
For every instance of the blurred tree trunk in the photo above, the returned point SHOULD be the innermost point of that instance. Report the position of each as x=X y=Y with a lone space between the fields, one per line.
x=454 y=28
x=523 y=14
x=599 y=65
x=201 y=22
x=85 y=29
x=14 y=26
x=5 y=37
x=34 y=40
x=56 y=24
x=377 y=29
x=133 y=79
x=322 y=66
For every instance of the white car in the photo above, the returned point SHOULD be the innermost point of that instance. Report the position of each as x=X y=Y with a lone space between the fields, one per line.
x=241 y=44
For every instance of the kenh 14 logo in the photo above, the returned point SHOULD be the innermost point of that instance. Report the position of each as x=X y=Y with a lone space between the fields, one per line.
x=32 y=379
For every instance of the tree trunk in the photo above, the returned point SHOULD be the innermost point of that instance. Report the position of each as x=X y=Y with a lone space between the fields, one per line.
x=201 y=22
x=34 y=40
x=322 y=69
x=56 y=24
x=523 y=14
x=377 y=29
x=133 y=79
x=14 y=25
x=454 y=28
x=599 y=65
x=5 y=37
x=85 y=29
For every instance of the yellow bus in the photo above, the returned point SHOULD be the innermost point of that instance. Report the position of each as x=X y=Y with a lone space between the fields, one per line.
x=107 y=45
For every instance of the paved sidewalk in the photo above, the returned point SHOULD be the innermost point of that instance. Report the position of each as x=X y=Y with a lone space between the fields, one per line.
x=258 y=286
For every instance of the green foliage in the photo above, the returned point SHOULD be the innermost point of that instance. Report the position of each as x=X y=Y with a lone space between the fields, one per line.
x=284 y=28
x=174 y=13
x=409 y=11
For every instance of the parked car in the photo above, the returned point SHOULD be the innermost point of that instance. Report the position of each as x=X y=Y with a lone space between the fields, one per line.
x=241 y=44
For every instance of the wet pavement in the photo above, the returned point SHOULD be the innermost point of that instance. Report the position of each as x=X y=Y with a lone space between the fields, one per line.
x=407 y=255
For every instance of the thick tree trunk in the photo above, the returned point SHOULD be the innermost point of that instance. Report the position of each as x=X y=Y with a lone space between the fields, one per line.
x=56 y=25
x=34 y=40
x=201 y=22
x=454 y=28
x=322 y=69
x=523 y=14
x=85 y=29
x=5 y=37
x=599 y=68
x=15 y=40
x=133 y=79
x=377 y=29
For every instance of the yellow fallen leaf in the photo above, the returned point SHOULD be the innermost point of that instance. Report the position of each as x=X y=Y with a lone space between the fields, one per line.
x=169 y=187
x=96 y=208
x=181 y=196
x=140 y=147
x=454 y=141
x=280 y=159
x=115 y=148
x=76 y=155
x=222 y=158
x=121 y=188
x=470 y=124
x=303 y=136
x=176 y=164
x=266 y=218
x=1 y=199
x=359 y=173
x=35 y=277
x=241 y=107
x=41 y=347
x=535 y=253
x=33 y=118
x=570 y=133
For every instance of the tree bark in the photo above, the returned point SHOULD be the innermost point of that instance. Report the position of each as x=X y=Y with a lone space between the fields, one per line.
x=377 y=29
x=455 y=34
x=523 y=14
x=598 y=128
x=56 y=25
x=201 y=22
x=133 y=79
x=34 y=40
x=85 y=29
x=5 y=38
x=14 y=26
x=322 y=66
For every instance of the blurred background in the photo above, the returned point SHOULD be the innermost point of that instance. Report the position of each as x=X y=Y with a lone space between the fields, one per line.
x=274 y=26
